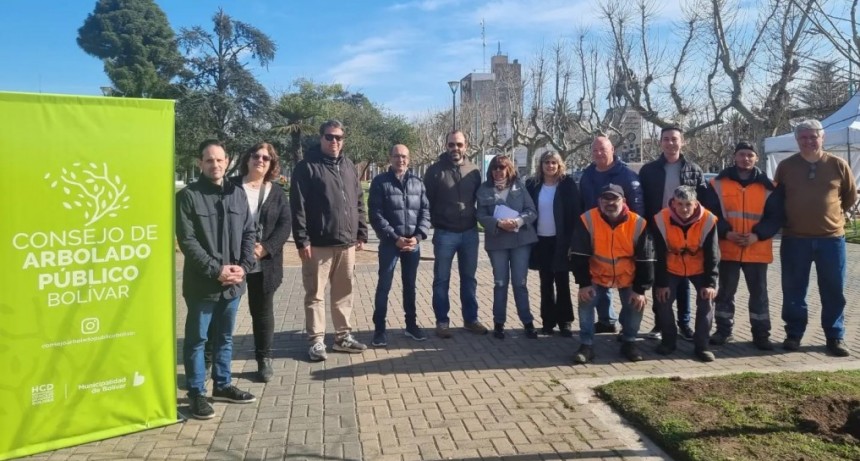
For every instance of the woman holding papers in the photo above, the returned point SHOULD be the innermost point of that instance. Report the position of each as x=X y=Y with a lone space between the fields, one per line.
x=557 y=199
x=507 y=213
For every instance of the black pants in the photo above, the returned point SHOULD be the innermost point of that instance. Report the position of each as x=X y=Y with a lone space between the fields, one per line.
x=261 y=305
x=666 y=317
x=555 y=303
x=759 y=306
x=682 y=301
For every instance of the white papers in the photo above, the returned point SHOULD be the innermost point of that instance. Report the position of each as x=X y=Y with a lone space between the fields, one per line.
x=505 y=212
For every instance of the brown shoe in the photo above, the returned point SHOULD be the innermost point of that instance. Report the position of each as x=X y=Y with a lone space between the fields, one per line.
x=476 y=327
x=443 y=330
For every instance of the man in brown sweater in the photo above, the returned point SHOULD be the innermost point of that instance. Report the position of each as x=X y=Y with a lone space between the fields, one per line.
x=817 y=188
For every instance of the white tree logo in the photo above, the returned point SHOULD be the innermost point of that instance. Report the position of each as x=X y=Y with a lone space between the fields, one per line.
x=91 y=189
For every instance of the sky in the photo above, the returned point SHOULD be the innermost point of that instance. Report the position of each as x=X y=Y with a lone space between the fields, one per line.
x=400 y=54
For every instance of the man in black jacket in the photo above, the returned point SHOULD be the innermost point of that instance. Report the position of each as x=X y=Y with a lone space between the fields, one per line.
x=659 y=179
x=452 y=184
x=400 y=215
x=216 y=234
x=329 y=227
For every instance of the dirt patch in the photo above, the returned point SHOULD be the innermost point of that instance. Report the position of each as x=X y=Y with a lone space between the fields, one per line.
x=837 y=419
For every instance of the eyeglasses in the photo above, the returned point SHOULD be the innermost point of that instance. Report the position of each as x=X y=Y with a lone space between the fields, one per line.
x=262 y=157
x=333 y=137
x=812 y=168
x=456 y=144
x=499 y=168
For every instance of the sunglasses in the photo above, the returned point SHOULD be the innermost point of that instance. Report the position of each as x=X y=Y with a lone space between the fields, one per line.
x=499 y=168
x=456 y=144
x=262 y=157
x=333 y=137
x=812 y=168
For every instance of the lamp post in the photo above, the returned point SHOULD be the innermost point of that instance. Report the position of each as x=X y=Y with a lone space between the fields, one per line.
x=454 y=85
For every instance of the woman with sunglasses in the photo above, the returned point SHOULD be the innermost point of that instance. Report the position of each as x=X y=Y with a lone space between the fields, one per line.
x=558 y=206
x=258 y=168
x=508 y=213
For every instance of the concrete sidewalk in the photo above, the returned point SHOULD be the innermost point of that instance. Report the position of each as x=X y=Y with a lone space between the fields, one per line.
x=469 y=397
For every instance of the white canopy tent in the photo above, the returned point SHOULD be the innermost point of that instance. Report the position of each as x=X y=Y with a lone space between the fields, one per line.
x=841 y=138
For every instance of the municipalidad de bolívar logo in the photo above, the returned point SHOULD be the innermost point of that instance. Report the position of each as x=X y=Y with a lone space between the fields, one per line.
x=91 y=189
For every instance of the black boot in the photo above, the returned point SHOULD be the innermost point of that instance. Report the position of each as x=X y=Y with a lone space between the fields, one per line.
x=264 y=369
x=499 y=331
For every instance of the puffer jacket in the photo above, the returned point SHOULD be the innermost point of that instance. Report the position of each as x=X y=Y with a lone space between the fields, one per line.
x=398 y=208
x=652 y=176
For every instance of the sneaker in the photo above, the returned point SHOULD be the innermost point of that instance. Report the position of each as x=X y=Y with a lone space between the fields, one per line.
x=664 y=348
x=349 y=344
x=264 y=370
x=200 y=407
x=791 y=344
x=685 y=332
x=530 y=330
x=499 y=331
x=718 y=339
x=704 y=355
x=585 y=354
x=380 y=339
x=317 y=352
x=600 y=327
x=655 y=333
x=476 y=327
x=564 y=330
x=443 y=330
x=415 y=332
x=232 y=394
x=763 y=344
x=631 y=352
x=547 y=331
x=837 y=348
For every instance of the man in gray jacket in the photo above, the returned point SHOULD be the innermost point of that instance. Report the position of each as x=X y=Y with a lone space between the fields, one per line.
x=451 y=185
x=216 y=234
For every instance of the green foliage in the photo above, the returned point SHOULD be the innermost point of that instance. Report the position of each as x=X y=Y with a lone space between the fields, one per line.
x=232 y=105
x=134 y=40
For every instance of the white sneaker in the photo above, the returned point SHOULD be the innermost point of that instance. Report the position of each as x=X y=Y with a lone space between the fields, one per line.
x=317 y=352
x=654 y=334
x=349 y=344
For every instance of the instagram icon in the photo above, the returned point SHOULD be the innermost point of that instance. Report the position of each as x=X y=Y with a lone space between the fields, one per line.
x=89 y=325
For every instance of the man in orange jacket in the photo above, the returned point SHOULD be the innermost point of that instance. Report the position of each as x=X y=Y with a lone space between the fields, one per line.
x=748 y=217
x=612 y=249
x=687 y=247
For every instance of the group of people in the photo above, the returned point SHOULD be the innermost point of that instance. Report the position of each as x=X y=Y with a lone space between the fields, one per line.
x=660 y=230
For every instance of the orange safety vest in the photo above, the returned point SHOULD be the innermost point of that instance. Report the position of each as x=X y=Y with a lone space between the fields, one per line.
x=612 y=263
x=685 y=256
x=743 y=207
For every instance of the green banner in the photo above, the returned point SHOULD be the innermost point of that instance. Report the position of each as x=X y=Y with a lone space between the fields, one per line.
x=87 y=332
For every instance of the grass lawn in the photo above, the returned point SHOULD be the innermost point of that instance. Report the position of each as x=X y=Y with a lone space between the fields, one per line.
x=780 y=416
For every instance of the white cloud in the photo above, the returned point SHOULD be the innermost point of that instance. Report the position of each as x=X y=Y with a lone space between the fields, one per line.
x=424 y=5
x=362 y=68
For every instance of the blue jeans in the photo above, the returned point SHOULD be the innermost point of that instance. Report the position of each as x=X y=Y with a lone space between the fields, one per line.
x=511 y=267
x=388 y=256
x=797 y=255
x=605 y=312
x=630 y=318
x=465 y=245
x=222 y=316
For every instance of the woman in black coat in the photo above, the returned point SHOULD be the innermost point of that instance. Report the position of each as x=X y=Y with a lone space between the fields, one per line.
x=556 y=197
x=259 y=167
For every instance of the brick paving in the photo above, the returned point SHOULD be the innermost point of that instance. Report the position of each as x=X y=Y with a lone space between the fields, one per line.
x=467 y=398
